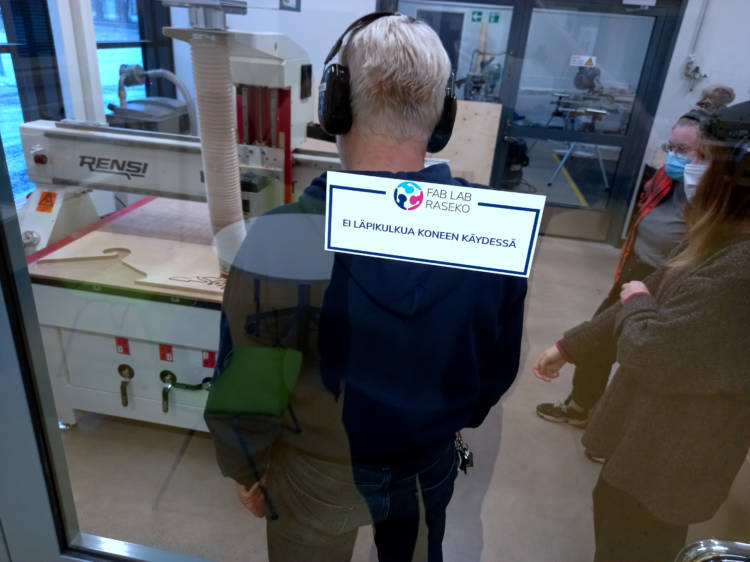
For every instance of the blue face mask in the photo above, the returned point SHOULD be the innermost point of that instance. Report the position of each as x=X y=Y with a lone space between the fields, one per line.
x=675 y=165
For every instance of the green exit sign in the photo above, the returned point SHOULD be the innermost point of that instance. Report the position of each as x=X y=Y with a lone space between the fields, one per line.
x=494 y=17
x=476 y=16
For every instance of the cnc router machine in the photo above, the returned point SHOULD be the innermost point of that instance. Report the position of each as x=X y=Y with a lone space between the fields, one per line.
x=129 y=303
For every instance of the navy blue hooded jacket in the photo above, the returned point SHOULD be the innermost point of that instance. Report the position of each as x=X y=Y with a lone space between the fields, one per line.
x=419 y=351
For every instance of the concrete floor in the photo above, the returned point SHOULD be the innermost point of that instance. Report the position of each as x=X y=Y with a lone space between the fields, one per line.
x=529 y=497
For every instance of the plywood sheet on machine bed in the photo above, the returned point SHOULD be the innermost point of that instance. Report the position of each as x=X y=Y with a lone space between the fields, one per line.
x=168 y=219
x=161 y=247
x=167 y=264
x=472 y=145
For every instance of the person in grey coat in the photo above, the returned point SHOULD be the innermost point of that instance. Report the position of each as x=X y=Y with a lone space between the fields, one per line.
x=674 y=423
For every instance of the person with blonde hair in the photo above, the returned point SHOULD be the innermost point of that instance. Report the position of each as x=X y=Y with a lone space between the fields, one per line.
x=408 y=354
x=674 y=423
x=417 y=352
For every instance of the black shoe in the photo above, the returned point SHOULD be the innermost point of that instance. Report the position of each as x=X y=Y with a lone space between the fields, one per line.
x=563 y=412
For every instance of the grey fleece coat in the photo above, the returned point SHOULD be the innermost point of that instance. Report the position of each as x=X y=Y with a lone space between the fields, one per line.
x=674 y=421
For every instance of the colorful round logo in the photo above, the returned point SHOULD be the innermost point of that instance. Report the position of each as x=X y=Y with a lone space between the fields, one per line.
x=408 y=195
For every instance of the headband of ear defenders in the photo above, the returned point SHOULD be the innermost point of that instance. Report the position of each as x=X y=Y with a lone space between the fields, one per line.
x=731 y=127
x=701 y=117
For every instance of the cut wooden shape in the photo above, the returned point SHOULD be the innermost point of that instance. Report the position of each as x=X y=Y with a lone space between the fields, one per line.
x=169 y=264
x=192 y=282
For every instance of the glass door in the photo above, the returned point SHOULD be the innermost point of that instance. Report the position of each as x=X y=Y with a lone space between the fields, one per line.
x=476 y=38
x=577 y=101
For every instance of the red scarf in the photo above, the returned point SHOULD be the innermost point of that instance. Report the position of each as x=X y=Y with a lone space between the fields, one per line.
x=656 y=189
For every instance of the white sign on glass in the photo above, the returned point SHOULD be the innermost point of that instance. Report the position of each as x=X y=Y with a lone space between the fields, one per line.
x=436 y=224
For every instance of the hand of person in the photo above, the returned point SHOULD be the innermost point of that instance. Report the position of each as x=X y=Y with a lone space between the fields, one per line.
x=548 y=365
x=253 y=499
x=632 y=288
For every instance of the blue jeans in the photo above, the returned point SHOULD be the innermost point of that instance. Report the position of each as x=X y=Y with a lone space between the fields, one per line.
x=394 y=494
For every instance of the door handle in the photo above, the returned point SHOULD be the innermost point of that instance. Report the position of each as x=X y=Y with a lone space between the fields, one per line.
x=127 y=373
x=170 y=381
x=124 y=393
x=205 y=384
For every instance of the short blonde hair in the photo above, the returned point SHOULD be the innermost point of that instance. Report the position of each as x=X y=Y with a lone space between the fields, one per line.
x=398 y=70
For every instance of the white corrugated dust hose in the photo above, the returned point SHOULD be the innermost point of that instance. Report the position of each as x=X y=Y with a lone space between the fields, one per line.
x=215 y=97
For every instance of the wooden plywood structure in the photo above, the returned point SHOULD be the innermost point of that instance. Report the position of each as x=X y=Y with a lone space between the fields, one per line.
x=472 y=145
x=319 y=146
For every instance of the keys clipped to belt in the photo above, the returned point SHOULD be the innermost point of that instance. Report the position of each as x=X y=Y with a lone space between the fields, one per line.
x=465 y=456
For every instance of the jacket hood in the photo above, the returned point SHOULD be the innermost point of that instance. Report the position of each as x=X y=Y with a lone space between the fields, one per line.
x=401 y=288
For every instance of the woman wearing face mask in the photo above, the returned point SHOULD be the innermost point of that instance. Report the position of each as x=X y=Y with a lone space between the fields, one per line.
x=674 y=422
x=657 y=228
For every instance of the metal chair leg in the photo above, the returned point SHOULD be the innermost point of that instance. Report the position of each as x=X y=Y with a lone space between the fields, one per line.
x=554 y=175
x=601 y=166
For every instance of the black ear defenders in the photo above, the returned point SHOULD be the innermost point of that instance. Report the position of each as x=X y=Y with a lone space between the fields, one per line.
x=334 y=96
x=731 y=126
x=740 y=165
x=703 y=119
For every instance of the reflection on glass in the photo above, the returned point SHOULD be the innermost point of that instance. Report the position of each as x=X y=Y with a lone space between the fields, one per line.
x=475 y=37
x=129 y=313
x=10 y=118
x=582 y=70
x=109 y=73
x=570 y=174
x=115 y=20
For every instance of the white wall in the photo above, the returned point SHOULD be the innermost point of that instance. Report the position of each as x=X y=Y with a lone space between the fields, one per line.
x=315 y=28
x=722 y=52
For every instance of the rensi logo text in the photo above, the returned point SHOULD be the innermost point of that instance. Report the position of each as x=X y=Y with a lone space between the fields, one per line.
x=128 y=168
